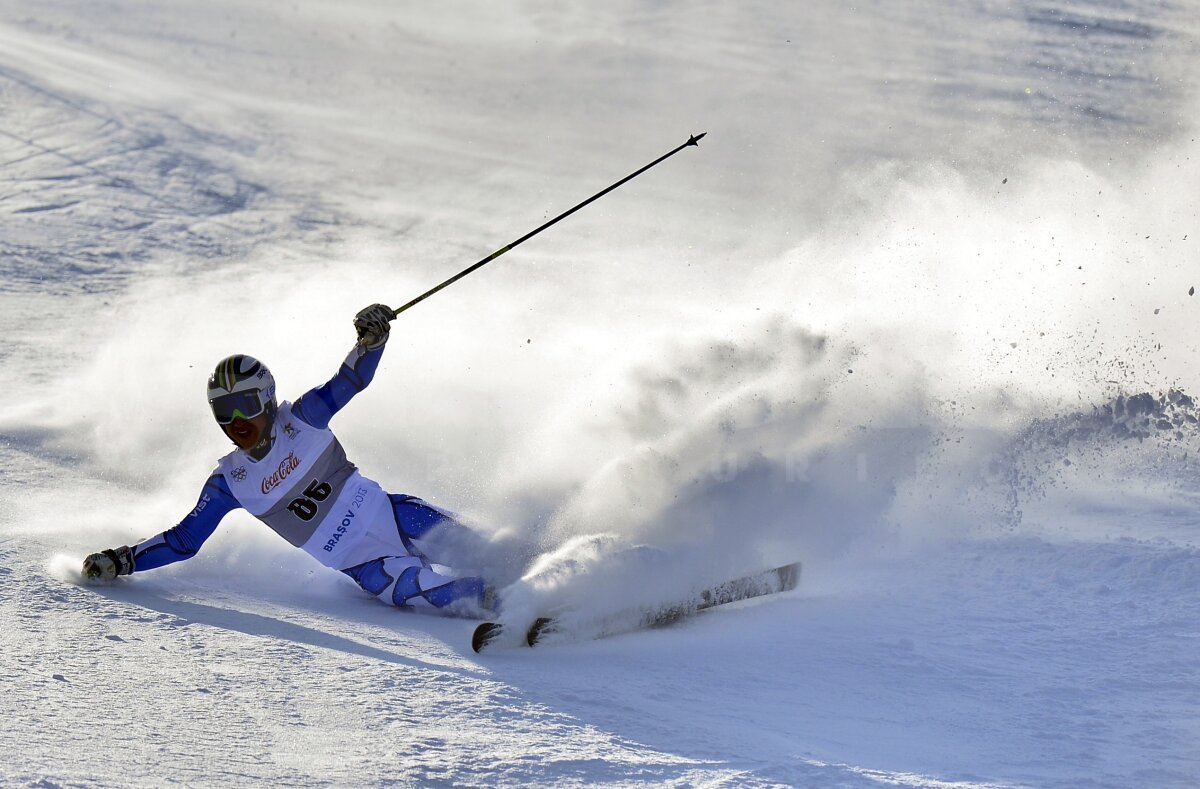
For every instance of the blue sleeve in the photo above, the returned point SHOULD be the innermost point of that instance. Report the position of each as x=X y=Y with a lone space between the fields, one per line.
x=185 y=539
x=317 y=406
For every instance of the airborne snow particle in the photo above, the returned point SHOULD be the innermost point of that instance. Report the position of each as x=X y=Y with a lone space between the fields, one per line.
x=1192 y=291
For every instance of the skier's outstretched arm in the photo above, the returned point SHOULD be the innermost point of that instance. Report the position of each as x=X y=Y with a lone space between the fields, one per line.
x=175 y=544
x=317 y=406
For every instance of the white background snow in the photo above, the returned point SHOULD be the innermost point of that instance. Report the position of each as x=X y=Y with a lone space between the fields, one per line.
x=886 y=320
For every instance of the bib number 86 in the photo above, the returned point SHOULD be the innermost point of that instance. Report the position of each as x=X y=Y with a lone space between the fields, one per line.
x=305 y=507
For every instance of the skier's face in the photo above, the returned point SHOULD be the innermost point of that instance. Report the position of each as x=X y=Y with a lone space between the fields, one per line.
x=246 y=433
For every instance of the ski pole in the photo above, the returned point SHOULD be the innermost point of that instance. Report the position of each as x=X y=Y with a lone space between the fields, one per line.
x=692 y=140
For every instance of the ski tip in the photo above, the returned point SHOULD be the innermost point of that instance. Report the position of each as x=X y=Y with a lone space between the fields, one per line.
x=540 y=627
x=696 y=138
x=484 y=634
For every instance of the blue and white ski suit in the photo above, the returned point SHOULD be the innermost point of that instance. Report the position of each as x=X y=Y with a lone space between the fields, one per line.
x=315 y=498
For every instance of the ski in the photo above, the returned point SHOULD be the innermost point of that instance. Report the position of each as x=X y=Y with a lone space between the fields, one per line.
x=773 y=581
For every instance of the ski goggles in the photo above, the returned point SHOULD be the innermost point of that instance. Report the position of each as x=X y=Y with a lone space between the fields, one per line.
x=238 y=405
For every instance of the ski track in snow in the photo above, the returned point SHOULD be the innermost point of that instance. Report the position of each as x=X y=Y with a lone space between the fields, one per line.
x=139 y=186
x=165 y=168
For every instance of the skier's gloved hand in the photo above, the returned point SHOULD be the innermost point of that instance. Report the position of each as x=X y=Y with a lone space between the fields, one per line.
x=373 y=325
x=108 y=564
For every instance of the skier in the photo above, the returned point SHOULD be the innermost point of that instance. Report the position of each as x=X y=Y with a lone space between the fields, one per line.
x=290 y=471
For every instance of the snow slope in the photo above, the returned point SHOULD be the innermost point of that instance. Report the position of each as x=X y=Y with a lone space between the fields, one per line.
x=917 y=312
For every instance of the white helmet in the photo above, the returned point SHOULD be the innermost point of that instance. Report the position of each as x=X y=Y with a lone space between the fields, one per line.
x=241 y=386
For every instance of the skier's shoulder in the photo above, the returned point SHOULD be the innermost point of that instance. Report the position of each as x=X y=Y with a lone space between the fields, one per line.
x=291 y=419
x=225 y=465
x=217 y=483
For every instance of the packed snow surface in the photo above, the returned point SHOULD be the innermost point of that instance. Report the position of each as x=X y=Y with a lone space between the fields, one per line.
x=917 y=312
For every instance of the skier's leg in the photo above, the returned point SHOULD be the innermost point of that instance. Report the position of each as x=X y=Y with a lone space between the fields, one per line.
x=411 y=582
x=415 y=517
x=438 y=533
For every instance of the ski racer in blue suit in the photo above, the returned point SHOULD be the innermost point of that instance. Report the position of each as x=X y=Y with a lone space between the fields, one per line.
x=290 y=471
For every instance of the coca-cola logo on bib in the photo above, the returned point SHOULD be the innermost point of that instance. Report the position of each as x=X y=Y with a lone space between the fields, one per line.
x=286 y=467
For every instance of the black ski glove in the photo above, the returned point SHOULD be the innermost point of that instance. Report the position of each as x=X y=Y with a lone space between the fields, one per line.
x=373 y=325
x=107 y=565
